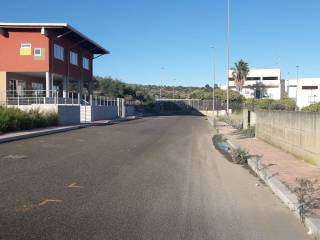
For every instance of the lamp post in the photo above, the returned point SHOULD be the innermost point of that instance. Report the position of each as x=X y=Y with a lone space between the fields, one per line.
x=173 y=88
x=162 y=69
x=214 y=83
x=228 y=54
x=297 y=86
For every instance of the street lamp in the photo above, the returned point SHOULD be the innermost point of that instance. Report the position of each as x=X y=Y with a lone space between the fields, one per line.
x=297 y=85
x=228 y=54
x=214 y=83
x=173 y=88
x=162 y=68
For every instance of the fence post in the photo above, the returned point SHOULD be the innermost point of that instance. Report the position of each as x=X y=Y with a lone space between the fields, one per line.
x=18 y=99
x=72 y=98
x=78 y=98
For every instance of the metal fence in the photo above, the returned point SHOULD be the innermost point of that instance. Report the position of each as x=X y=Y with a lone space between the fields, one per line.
x=200 y=105
x=28 y=97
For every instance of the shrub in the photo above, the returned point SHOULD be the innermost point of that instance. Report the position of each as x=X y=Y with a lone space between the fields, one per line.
x=249 y=132
x=284 y=104
x=312 y=108
x=14 y=119
x=239 y=156
x=306 y=192
x=266 y=103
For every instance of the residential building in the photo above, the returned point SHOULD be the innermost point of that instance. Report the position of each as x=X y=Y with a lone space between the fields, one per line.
x=308 y=90
x=45 y=59
x=260 y=83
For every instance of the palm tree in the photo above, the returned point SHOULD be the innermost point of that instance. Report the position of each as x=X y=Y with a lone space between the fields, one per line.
x=240 y=74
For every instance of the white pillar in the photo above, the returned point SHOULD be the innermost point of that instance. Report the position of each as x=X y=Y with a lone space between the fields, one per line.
x=123 y=108
x=65 y=87
x=48 y=84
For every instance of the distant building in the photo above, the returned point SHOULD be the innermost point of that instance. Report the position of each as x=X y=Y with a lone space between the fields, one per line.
x=260 y=83
x=308 y=90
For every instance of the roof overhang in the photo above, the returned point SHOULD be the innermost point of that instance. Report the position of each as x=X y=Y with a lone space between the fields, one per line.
x=61 y=29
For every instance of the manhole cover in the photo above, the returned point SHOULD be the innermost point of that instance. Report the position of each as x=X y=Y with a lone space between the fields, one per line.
x=15 y=156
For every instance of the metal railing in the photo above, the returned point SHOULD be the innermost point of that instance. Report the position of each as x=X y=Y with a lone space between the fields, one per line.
x=28 y=97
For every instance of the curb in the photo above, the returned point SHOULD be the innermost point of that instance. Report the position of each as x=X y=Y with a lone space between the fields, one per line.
x=281 y=191
x=39 y=133
x=62 y=129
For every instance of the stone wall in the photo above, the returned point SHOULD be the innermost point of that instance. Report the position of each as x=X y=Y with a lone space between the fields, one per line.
x=295 y=132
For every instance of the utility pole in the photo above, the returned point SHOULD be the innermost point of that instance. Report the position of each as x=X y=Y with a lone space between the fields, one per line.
x=214 y=83
x=297 y=86
x=228 y=55
x=173 y=88
x=162 y=68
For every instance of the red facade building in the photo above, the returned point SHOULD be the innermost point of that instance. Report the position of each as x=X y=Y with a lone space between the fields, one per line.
x=48 y=58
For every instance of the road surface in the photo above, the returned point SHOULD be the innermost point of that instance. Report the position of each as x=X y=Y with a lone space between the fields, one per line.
x=154 y=178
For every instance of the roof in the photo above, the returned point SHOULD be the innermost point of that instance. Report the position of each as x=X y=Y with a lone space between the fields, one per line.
x=64 y=30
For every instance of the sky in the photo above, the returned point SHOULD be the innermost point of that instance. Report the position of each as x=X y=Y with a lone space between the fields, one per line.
x=169 y=42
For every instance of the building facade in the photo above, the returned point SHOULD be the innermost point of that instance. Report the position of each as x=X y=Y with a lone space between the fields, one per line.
x=308 y=91
x=45 y=59
x=260 y=83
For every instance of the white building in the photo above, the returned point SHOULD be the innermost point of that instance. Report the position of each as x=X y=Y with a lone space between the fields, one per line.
x=260 y=83
x=308 y=90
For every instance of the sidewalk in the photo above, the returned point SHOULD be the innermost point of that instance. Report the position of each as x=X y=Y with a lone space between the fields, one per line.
x=281 y=165
x=14 y=136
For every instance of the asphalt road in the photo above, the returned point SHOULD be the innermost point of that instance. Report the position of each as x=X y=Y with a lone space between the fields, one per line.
x=154 y=178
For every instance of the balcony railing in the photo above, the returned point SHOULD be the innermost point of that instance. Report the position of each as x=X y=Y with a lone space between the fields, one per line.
x=28 y=97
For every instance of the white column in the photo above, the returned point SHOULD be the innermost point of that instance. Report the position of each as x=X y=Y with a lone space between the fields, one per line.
x=48 y=84
x=65 y=87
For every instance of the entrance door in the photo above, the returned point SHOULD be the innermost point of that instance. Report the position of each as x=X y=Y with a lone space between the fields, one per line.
x=258 y=93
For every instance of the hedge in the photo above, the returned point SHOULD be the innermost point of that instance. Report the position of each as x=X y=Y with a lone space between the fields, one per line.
x=14 y=119
x=271 y=104
x=315 y=107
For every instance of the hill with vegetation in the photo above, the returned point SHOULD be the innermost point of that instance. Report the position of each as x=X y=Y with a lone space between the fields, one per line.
x=148 y=93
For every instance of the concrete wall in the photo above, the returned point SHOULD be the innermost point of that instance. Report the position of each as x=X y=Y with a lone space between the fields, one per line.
x=249 y=118
x=295 y=132
x=67 y=114
x=216 y=113
x=130 y=110
x=104 y=112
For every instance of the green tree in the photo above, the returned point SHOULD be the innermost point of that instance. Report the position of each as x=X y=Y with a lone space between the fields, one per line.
x=240 y=73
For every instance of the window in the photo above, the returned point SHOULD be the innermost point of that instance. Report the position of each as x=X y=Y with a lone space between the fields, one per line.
x=231 y=79
x=25 y=45
x=270 y=78
x=25 y=49
x=309 y=87
x=58 y=52
x=73 y=58
x=253 y=78
x=85 y=63
x=37 y=52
